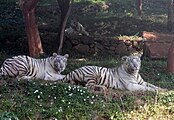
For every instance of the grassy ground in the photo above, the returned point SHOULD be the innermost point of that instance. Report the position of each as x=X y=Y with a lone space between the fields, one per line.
x=50 y=100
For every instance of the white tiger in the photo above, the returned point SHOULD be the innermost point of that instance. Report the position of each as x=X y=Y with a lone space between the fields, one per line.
x=125 y=77
x=25 y=67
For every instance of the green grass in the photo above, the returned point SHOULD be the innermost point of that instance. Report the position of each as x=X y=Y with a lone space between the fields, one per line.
x=39 y=99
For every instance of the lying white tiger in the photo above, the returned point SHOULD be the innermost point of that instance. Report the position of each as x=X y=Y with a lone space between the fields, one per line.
x=25 y=67
x=125 y=77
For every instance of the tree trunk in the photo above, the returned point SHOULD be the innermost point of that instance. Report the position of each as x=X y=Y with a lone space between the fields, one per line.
x=34 y=41
x=65 y=8
x=63 y=25
x=140 y=7
x=170 y=57
x=170 y=21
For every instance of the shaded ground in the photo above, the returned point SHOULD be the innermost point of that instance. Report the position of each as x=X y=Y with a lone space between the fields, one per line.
x=107 y=19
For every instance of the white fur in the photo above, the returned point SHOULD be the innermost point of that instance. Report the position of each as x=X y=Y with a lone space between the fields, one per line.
x=25 y=67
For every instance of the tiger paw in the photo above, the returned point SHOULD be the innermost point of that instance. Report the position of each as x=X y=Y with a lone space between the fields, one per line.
x=162 y=89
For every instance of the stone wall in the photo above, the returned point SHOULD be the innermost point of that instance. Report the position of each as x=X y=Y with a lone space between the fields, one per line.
x=101 y=45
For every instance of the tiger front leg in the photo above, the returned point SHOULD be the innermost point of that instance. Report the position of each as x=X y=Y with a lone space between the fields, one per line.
x=53 y=77
x=137 y=87
x=24 y=77
x=153 y=86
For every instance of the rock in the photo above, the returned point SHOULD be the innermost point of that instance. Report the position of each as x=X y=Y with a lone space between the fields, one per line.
x=153 y=36
x=121 y=49
x=98 y=46
x=81 y=48
x=131 y=49
x=87 y=40
x=92 y=46
x=68 y=45
x=157 y=44
x=75 y=41
x=112 y=48
x=156 y=50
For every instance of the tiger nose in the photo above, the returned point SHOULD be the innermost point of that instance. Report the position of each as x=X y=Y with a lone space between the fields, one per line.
x=136 y=67
x=61 y=66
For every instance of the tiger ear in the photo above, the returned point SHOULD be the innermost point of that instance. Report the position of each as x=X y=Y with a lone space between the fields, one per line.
x=54 y=54
x=124 y=58
x=66 y=55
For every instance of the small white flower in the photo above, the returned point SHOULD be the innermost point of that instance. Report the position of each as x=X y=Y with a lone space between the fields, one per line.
x=78 y=86
x=46 y=84
x=92 y=97
x=36 y=91
x=54 y=97
x=38 y=96
x=81 y=93
x=84 y=99
x=40 y=105
x=49 y=96
x=69 y=87
x=96 y=95
x=158 y=74
x=92 y=102
x=43 y=110
x=60 y=109
x=63 y=101
x=40 y=92
x=77 y=89
x=84 y=91
x=81 y=90
x=69 y=103
x=87 y=96
x=70 y=94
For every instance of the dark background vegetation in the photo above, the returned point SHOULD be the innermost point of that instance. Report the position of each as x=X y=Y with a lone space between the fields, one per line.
x=121 y=18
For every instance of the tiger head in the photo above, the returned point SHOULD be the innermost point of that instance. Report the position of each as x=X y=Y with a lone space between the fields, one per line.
x=132 y=63
x=60 y=62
